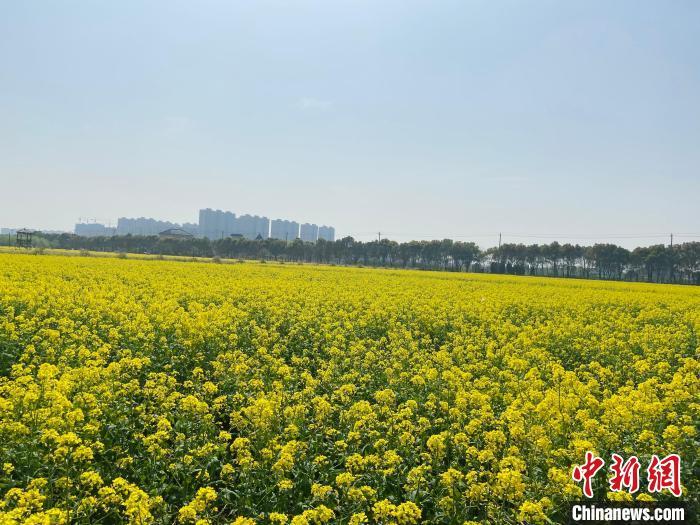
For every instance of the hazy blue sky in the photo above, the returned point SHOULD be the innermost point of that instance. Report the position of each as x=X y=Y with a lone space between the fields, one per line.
x=419 y=119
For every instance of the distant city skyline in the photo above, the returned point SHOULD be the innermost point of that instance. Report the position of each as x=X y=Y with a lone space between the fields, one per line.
x=213 y=224
x=310 y=232
x=484 y=240
x=577 y=121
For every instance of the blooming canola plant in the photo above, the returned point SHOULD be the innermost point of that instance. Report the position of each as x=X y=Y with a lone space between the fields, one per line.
x=136 y=391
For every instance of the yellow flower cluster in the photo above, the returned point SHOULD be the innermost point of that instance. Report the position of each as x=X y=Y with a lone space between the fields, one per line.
x=170 y=392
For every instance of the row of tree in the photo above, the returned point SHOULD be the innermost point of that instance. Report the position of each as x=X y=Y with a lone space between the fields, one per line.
x=669 y=264
x=658 y=263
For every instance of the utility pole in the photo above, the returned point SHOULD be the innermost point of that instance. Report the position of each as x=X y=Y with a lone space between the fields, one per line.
x=671 y=240
x=499 y=241
x=379 y=236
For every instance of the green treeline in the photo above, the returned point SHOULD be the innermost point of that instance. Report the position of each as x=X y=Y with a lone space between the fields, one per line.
x=659 y=263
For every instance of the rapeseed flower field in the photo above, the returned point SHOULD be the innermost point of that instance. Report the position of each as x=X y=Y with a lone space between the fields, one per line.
x=168 y=392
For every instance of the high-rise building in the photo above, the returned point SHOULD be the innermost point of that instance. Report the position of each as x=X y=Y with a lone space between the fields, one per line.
x=216 y=224
x=246 y=226
x=93 y=229
x=142 y=226
x=227 y=221
x=308 y=232
x=327 y=233
x=284 y=230
x=252 y=227
x=262 y=227
x=207 y=226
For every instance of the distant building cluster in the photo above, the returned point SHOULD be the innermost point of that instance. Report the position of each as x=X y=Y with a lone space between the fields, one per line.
x=308 y=232
x=327 y=233
x=214 y=224
x=217 y=224
x=146 y=226
x=285 y=230
x=94 y=229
